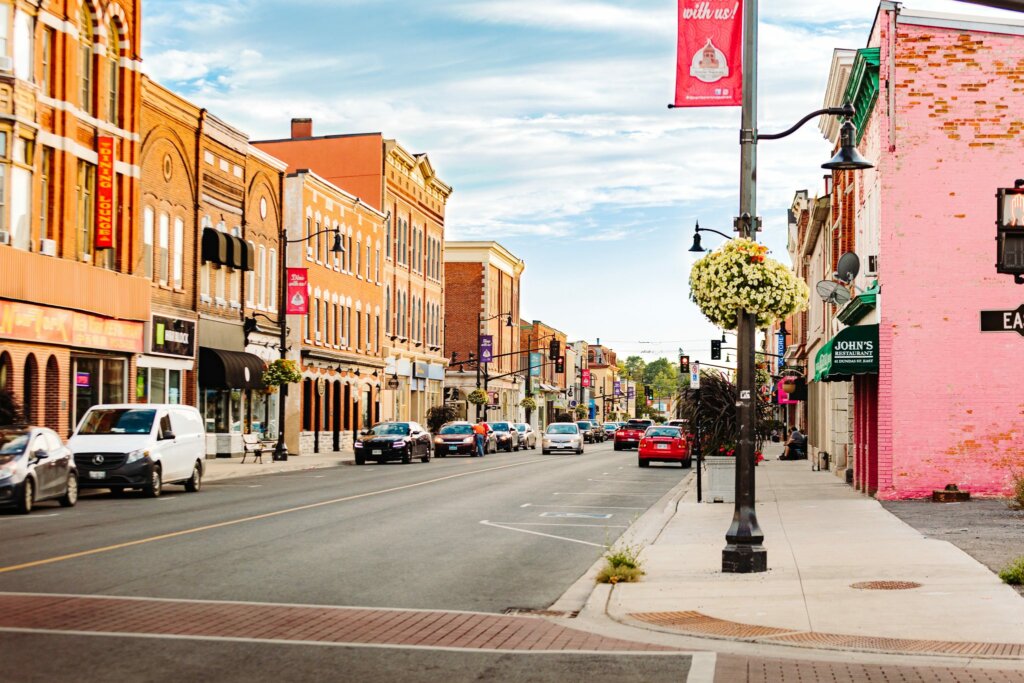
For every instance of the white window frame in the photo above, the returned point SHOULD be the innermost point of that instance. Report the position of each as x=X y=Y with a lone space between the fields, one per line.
x=179 y=252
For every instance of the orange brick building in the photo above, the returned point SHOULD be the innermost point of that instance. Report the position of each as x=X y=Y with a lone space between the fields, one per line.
x=546 y=386
x=72 y=313
x=406 y=189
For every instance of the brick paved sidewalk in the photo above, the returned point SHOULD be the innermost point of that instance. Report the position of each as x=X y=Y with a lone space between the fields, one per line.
x=300 y=623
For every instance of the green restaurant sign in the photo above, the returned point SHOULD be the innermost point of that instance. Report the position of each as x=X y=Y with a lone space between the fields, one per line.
x=854 y=351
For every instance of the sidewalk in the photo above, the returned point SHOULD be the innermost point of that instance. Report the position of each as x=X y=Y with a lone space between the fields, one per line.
x=229 y=468
x=823 y=539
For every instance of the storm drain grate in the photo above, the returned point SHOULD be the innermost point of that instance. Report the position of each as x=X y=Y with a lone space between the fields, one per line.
x=885 y=585
x=531 y=612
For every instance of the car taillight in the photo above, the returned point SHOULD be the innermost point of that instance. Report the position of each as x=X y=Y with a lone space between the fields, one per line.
x=643 y=443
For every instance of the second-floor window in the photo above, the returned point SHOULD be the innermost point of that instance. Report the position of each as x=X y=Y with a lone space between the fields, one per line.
x=113 y=73
x=85 y=59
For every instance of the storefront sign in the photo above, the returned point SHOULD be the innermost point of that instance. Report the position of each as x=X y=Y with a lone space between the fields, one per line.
x=32 y=323
x=419 y=370
x=486 y=347
x=104 y=234
x=298 y=291
x=780 y=349
x=585 y=377
x=172 y=337
x=709 y=54
x=1003 y=321
x=81 y=379
x=492 y=398
x=853 y=351
x=393 y=383
x=536 y=361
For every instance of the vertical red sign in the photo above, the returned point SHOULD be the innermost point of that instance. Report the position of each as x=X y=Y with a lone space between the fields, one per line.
x=585 y=378
x=103 y=237
x=298 y=291
x=709 y=55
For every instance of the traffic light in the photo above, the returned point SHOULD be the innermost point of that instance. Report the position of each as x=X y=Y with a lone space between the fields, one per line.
x=648 y=393
x=560 y=363
x=684 y=365
x=554 y=350
x=716 y=349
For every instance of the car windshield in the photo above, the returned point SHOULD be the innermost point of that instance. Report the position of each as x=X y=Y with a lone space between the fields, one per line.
x=501 y=426
x=671 y=432
x=584 y=425
x=520 y=428
x=390 y=429
x=456 y=429
x=563 y=429
x=118 y=421
x=610 y=424
x=13 y=442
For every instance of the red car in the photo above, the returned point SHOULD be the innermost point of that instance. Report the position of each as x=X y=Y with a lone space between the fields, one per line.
x=664 y=444
x=629 y=434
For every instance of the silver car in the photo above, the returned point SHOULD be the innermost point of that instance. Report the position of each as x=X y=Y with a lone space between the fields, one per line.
x=527 y=437
x=562 y=436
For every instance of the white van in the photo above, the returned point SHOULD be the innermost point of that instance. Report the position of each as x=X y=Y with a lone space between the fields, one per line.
x=140 y=446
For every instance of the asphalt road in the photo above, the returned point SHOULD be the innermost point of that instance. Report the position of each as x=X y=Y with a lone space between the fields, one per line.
x=483 y=534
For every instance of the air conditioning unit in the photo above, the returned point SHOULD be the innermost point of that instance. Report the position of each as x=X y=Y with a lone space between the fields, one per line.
x=5 y=237
x=48 y=247
x=6 y=64
x=873 y=263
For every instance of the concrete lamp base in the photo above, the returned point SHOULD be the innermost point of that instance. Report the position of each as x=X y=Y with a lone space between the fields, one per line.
x=744 y=559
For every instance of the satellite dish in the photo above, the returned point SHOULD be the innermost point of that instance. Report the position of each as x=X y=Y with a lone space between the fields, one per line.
x=832 y=292
x=847 y=268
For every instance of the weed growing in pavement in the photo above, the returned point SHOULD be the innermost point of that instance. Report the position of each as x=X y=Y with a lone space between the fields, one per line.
x=623 y=565
x=1014 y=573
x=1017 y=497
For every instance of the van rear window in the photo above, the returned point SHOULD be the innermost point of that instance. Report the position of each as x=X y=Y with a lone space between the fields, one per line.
x=118 y=421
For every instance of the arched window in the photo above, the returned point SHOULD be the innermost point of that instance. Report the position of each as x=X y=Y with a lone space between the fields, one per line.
x=387 y=309
x=85 y=59
x=272 y=277
x=261 y=277
x=113 y=73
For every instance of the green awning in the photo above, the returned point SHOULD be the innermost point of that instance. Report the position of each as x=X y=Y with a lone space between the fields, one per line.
x=860 y=305
x=854 y=351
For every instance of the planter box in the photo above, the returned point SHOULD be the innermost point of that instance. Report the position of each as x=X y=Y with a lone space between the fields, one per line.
x=721 y=479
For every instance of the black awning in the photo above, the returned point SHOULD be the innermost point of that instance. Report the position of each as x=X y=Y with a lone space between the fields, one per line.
x=215 y=246
x=219 y=369
x=248 y=255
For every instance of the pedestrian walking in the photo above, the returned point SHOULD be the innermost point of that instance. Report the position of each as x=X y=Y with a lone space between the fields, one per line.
x=480 y=430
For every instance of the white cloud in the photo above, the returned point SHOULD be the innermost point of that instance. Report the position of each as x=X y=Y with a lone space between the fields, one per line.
x=570 y=15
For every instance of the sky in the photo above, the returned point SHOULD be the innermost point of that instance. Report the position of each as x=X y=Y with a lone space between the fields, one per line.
x=548 y=118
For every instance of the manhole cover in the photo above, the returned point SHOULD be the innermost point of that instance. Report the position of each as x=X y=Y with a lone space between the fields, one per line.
x=885 y=585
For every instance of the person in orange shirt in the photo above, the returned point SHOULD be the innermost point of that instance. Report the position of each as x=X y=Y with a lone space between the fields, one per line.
x=480 y=429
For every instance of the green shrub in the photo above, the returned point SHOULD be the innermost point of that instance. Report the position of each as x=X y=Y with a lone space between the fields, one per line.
x=1017 y=497
x=1014 y=573
x=623 y=565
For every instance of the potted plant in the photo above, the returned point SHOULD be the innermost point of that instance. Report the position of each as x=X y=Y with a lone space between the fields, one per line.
x=280 y=372
x=477 y=397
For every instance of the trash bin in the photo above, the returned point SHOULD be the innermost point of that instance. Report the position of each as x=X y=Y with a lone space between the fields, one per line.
x=721 y=471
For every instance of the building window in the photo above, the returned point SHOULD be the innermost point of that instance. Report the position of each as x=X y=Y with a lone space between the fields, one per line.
x=250 y=283
x=85 y=192
x=387 y=309
x=359 y=252
x=24 y=46
x=376 y=265
x=387 y=237
x=368 y=329
x=359 y=329
x=377 y=328
x=367 y=260
x=113 y=73
x=47 y=75
x=316 y=241
x=179 y=251
x=309 y=231
x=261 y=277
x=85 y=59
x=272 y=277
x=163 y=253
x=45 y=175
x=5 y=20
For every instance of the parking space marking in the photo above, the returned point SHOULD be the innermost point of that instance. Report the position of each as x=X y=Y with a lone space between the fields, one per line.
x=578 y=515
x=538 y=533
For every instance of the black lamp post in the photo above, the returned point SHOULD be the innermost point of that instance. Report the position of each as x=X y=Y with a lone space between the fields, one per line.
x=508 y=323
x=280 y=449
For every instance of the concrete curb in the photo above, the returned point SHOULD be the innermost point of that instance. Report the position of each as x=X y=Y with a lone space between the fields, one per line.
x=236 y=470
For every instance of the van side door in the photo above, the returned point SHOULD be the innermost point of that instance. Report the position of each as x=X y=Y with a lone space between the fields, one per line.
x=188 y=429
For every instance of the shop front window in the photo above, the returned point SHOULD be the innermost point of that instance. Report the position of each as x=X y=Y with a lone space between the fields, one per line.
x=223 y=410
x=95 y=381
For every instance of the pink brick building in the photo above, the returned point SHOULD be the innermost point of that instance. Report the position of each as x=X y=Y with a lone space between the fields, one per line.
x=939 y=111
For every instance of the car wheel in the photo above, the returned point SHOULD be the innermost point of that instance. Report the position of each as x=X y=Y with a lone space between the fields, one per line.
x=28 y=497
x=687 y=463
x=407 y=456
x=156 y=483
x=195 y=482
x=616 y=447
x=579 y=451
x=545 y=451
x=426 y=456
x=360 y=460
x=643 y=463
x=70 y=496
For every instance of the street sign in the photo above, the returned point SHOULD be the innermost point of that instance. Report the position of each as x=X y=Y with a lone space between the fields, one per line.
x=393 y=383
x=1003 y=321
x=695 y=375
x=573 y=403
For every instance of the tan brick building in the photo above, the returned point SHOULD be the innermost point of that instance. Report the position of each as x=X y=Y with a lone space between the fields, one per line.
x=72 y=312
x=482 y=300
x=407 y=190
x=546 y=386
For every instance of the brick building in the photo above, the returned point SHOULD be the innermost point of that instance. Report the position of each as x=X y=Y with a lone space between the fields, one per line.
x=406 y=189
x=482 y=303
x=340 y=344
x=71 y=309
x=545 y=385
x=604 y=373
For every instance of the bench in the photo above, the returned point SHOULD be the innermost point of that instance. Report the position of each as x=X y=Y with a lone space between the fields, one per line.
x=251 y=444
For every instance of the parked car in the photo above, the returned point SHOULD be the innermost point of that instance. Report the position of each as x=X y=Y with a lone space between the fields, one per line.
x=598 y=431
x=609 y=429
x=629 y=434
x=393 y=441
x=506 y=435
x=562 y=436
x=35 y=465
x=455 y=438
x=140 y=446
x=527 y=437
x=664 y=444
x=587 y=429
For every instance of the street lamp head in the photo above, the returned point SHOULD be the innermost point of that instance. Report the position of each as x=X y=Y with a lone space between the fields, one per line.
x=847 y=158
x=697 y=248
x=508 y=322
x=336 y=247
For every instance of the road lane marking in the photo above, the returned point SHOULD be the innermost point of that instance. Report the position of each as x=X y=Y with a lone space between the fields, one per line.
x=252 y=518
x=52 y=514
x=585 y=507
x=578 y=515
x=586 y=526
x=599 y=493
x=626 y=481
x=537 y=533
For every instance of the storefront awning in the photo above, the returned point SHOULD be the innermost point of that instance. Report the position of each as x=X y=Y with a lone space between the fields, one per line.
x=860 y=305
x=227 y=250
x=854 y=351
x=219 y=369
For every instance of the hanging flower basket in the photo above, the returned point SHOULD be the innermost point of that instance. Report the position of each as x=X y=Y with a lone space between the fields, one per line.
x=281 y=371
x=477 y=397
x=739 y=275
x=528 y=403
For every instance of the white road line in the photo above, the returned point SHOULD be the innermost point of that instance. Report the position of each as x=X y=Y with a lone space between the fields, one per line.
x=591 y=526
x=599 y=493
x=537 y=533
x=585 y=507
x=702 y=667
x=526 y=505
x=52 y=514
x=626 y=481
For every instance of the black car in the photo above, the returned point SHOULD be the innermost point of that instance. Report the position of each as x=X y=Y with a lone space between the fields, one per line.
x=506 y=435
x=35 y=465
x=455 y=438
x=393 y=441
x=587 y=430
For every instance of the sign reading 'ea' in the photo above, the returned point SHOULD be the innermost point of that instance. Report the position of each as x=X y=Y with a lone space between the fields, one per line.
x=1003 y=321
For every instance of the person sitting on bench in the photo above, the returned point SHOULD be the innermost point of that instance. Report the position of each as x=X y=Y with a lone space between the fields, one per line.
x=796 y=447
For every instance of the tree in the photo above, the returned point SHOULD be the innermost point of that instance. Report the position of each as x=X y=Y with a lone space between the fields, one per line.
x=438 y=415
x=633 y=369
x=10 y=410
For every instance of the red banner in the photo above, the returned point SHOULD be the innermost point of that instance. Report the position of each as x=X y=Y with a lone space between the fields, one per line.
x=104 y=234
x=298 y=291
x=709 y=56
x=585 y=378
